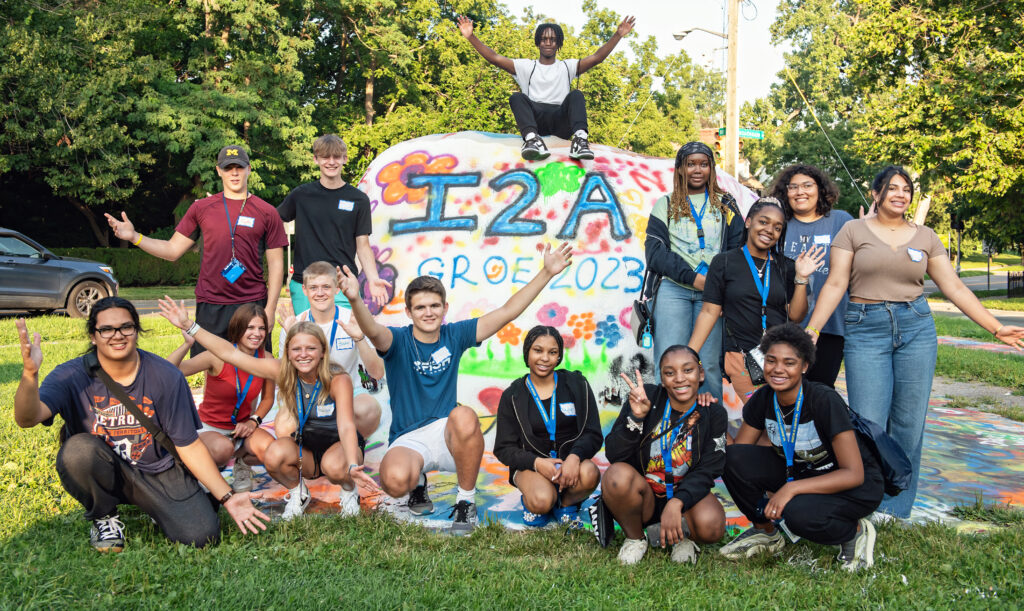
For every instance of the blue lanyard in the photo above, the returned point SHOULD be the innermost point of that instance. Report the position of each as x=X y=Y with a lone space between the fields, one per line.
x=549 y=419
x=698 y=219
x=666 y=449
x=231 y=227
x=789 y=438
x=334 y=328
x=240 y=393
x=762 y=288
x=303 y=412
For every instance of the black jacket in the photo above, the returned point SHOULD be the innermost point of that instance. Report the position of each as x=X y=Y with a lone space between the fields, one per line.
x=658 y=248
x=708 y=452
x=515 y=444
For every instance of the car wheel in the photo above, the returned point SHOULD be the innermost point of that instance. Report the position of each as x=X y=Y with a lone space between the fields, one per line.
x=82 y=298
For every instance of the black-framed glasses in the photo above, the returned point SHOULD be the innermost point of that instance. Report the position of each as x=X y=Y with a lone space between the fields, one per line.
x=128 y=329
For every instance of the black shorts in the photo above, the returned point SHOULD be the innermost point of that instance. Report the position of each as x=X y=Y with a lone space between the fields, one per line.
x=214 y=317
x=317 y=442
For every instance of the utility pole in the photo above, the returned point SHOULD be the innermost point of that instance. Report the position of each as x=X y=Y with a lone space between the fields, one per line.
x=732 y=111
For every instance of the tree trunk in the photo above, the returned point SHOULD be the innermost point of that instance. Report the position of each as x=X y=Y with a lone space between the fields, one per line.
x=368 y=103
x=99 y=233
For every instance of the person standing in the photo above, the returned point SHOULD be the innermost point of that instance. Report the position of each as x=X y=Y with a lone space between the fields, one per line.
x=237 y=229
x=332 y=223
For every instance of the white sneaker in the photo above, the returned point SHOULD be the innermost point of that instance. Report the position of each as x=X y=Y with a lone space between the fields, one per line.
x=241 y=477
x=349 y=500
x=632 y=551
x=295 y=502
x=685 y=551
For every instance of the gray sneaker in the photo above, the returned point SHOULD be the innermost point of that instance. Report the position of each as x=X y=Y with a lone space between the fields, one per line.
x=465 y=518
x=751 y=542
x=241 y=477
x=859 y=552
x=107 y=534
x=419 y=503
x=534 y=149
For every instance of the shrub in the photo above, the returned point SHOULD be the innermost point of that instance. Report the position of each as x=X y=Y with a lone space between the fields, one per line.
x=133 y=267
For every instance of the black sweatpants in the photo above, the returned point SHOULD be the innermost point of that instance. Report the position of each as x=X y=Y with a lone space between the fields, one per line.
x=100 y=480
x=214 y=317
x=828 y=519
x=828 y=357
x=562 y=120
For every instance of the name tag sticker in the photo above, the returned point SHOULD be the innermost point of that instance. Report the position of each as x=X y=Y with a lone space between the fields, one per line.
x=568 y=409
x=915 y=255
x=325 y=410
x=343 y=343
x=246 y=221
x=346 y=205
x=440 y=354
x=823 y=240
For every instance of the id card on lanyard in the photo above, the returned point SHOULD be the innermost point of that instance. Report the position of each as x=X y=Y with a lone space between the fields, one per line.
x=788 y=438
x=547 y=417
x=762 y=288
x=698 y=220
x=234 y=269
x=240 y=393
x=304 y=411
x=666 y=448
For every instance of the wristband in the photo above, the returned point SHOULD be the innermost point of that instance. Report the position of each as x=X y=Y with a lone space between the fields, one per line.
x=996 y=332
x=226 y=497
x=360 y=339
x=193 y=329
x=816 y=332
x=798 y=282
x=258 y=420
x=352 y=466
x=633 y=425
x=137 y=242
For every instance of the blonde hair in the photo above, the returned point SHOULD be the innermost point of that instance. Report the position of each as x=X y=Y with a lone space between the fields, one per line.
x=329 y=145
x=320 y=268
x=679 y=206
x=288 y=379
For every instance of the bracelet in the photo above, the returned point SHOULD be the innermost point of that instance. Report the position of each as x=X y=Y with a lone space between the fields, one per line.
x=633 y=425
x=796 y=281
x=352 y=466
x=258 y=420
x=816 y=332
x=193 y=329
x=360 y=339
x=137 y=242
x=996 y=332
x=226 y=497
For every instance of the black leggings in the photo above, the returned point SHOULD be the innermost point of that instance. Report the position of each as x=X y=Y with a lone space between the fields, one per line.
x=828 y=519
x=100 y=480
x=828 y=357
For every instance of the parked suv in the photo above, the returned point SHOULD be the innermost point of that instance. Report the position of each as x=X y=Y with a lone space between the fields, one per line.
x=33 y=278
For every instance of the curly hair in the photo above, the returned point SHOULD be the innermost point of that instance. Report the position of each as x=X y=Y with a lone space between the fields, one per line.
x=792 y=335
x=828 y=192
x=678 y=205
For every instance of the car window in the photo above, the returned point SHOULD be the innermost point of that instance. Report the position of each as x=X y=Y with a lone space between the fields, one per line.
x=10 y=245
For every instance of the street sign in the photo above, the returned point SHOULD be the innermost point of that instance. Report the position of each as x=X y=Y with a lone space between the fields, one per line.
x=753 y=134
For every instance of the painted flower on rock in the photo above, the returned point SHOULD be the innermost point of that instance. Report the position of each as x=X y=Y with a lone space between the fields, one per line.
x=394 y=177
x=552 y=314
x=608 y=332
x=582 y=325
x=510 y=334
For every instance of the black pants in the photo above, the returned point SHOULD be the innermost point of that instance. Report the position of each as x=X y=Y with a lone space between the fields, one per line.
x=828 y=357
x=562 y=120
x=101 y=480
x=214 y=317
x=828 y=519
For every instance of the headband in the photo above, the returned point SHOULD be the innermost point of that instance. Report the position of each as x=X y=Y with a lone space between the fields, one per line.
x=694 y=148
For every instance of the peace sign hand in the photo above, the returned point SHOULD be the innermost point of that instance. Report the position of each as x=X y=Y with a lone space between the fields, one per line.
x=639 y=404
x=31 y=350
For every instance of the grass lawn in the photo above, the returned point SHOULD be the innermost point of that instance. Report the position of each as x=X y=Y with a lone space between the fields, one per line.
x=138 y=293
x=1005 y=262
x=958 y=326
x=372 y=561
x=1005 y=370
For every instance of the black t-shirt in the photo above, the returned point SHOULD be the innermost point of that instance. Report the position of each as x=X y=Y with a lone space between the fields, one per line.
x=730 y=284
x=327 y=222
x=565 y=417
x=823 y=416
x=159 y=390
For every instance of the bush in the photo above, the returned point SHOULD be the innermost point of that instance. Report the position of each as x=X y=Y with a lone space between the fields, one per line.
x=133 y=267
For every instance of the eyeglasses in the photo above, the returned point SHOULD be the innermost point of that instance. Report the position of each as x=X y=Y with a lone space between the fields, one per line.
x=804 y=186
x=128 y=329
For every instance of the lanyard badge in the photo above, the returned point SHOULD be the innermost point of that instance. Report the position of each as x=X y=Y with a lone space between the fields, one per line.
x=234 y=269
x=762 y=288
x=548 y=418
x=240 y=393
x=788 y=438
x=666 y=448
x=304 y=412
x=698 y=220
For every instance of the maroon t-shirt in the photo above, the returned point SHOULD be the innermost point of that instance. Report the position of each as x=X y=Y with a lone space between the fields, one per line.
x=258 y=228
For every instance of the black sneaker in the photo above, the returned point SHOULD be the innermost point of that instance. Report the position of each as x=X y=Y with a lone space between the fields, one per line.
x=602 y=521
x=465 y=518
x=534 y=149
x=579 y=148
x=419 y=503
x=107 y=534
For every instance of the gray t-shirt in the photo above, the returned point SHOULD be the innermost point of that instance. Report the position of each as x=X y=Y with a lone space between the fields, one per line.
x=801 y=237
x=547 y=84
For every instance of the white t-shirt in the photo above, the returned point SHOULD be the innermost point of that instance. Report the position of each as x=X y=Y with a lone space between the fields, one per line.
x=547 y=84
x=344 y=351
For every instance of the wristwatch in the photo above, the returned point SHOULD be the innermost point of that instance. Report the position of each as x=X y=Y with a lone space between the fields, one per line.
x=226 y=497
x=256 y=417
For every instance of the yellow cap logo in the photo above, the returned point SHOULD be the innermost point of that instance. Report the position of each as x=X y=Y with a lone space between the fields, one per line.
x=231 y=152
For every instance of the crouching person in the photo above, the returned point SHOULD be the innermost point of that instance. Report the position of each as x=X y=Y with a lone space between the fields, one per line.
x=108 y=457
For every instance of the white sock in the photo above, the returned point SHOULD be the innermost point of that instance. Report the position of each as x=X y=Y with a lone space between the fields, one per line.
x=580 y=133
x=466 y=495
x=529 y=136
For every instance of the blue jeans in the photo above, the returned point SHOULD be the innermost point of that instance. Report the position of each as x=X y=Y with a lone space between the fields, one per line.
x=890 y=362
x=300 y=304
x=675 y=314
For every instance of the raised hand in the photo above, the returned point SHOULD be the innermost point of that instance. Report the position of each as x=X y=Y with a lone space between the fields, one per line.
x=352 y=328
x=465 y=26
x=639 y=404
x=285 y=317
x=558 y=259
x=123 y=229
x=349 y=283
x=175 y=313
x=809 y=260
x=31 y=352
x=379 y=291
x=626 y=26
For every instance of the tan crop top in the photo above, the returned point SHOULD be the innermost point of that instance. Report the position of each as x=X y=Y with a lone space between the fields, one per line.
x=880 y=273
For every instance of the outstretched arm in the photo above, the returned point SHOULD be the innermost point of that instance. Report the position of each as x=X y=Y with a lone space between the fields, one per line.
x=554 y=262
x=379 y=335
x=506 y=64
x=967 y=302
x=28 y=409
x=605 y=50
x=171 y=250
x=378 y=286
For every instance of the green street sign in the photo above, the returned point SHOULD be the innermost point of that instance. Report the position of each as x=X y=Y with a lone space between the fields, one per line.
x=753 y=134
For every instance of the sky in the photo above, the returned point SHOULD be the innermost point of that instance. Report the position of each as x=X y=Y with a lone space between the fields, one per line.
x=758 y=62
